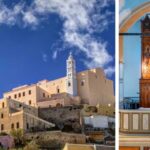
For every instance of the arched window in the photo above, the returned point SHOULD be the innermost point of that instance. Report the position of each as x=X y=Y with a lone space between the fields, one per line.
x=58 y=105
x=69 y=84
x=17 y=125
x=82 y=83
x=2 y=127
x=23 y=93
x=15 y=96
x=58 y=89
x=19 y=95
x=43 y=94
x=12 y=126
x=2 y=116
x=27 y=125
x=3 y=105
x=30 y=102
x=29 y=92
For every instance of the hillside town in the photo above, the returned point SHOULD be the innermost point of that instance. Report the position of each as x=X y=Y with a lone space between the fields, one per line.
x=76 y=111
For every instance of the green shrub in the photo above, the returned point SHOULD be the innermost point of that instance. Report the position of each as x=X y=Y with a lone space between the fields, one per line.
x=3 y=133
x=18 y=136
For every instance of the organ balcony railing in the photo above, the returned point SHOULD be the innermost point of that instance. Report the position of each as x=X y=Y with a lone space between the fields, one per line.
x=134 y=121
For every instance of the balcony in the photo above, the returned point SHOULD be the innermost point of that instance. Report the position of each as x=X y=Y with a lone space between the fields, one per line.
x=135 y=121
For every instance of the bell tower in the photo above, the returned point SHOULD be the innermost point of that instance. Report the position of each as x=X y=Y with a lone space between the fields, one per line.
x=145 y=63
x=71 y=76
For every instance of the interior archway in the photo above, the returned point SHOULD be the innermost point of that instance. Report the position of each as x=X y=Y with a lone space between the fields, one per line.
x=129 y=21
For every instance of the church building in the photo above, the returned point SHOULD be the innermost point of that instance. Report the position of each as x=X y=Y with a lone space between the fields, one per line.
x=86 y=87
x=134 y=124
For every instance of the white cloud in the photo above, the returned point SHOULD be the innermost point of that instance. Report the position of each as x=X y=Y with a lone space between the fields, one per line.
x=10 y=16
x=81 y=19
x=54 y=56
x=109 y=71
x=94 y=50
x=29 y=18
x=44 y=57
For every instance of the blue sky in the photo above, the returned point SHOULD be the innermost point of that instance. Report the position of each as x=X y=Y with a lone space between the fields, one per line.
x=36 y=38
x=132 y=50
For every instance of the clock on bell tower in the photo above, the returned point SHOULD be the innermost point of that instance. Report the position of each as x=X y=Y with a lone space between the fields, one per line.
x=145 y=63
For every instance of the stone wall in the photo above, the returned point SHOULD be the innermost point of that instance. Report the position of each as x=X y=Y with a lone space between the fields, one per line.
x=63 y=117
x=16 y=115
x=56 y=137
x=104 y=110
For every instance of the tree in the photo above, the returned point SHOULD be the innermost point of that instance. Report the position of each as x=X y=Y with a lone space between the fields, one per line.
x=18 y=136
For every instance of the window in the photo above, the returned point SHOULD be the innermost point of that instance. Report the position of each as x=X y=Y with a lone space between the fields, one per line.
x=15 y=96
x=17 y=125
x=33 y=122
x=23 y=93
x=12 y=126
x=58 y=90
x=2 y=127
x=69 y=69
x=2 y=116
x=82 y=83
x=69 y=74
x=3 y=105
x=19 y=95
x=30 y=102
x=58 y=105
x=69 y=84
x=29 y=92
x=27 y=125
x=9 y=97
x=43 y=94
